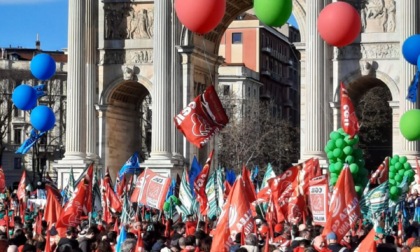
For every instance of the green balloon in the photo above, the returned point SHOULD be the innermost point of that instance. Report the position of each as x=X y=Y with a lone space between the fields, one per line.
x=341 y=131
x=354 y=168
x=273 y=13
x=340 y=143
x=331 y=145
x=398 y=166
x=396 y=157
x=358 y=189
x=392 y=168
x=403 y=159
x=361 y=162
x=398 y=178
x=337 y=152
x=364 y=172
x=335 y=135
x=392 y=182
x=331 y=168
x=348 y=150
x=392 y=174
x=334 y=175
x=407 y=166
x=330 y=154
x=394 y=161
x=338 y=167
x=410 y=124
x=351 y=141
x=349 y=159
x=393 y=190
x=411 y=174
x=407 y=174
x=401 y=172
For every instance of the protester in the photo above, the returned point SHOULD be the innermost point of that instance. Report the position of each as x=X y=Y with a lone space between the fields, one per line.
x=333 y=245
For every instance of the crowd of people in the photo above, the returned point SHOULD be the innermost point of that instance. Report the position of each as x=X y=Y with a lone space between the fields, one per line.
x=196 y=236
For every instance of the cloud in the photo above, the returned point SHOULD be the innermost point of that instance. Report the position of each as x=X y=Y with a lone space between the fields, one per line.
x=19 y=2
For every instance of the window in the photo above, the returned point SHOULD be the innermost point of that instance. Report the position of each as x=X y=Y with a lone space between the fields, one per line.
x=17 y=136
x=226 y=89
x=17 y=164
x=237 y=38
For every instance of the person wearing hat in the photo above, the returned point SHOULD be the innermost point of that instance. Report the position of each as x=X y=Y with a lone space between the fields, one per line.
x=333 y=245
x=379 y=235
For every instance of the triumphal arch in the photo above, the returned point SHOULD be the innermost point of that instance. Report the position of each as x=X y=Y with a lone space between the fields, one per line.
x=128 y=58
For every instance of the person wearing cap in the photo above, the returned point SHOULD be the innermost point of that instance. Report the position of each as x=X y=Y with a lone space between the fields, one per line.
x=333 y=245
x=379 y=235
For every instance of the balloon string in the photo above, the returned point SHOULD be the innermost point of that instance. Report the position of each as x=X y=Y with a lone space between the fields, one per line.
x=412 y=90
x=207 y=62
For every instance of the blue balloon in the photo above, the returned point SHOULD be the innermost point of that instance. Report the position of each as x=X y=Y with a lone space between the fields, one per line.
x=24 y=97
x=411 y=49
x=43 y=66
x=42 y=118
x=418 y=62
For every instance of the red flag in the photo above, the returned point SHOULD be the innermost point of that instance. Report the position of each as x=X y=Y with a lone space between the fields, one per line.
x=249 y=186
x=121 y=186
x=139 y=244
x=116 y=227
x=200 y=185
x=202 y=118
x=2 y=180
x=310 y=169
x=417 y=171
x=47 y=242
x=349 y=121
x=109 y=200
x=381 y=174
x=227 y=189
x=236 y=213
x=368 y=244
x=53 y=208
x=70 y=217
x=38 y=223
x=151 y=189
x=21 y=188
x=89 y=180
x=344 y=206
x=318 y=198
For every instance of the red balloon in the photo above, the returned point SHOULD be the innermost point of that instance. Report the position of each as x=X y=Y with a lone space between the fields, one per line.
x=339 y=24
x=200 y=16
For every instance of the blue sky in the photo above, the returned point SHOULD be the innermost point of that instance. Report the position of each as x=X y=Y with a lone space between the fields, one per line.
x=22 y=20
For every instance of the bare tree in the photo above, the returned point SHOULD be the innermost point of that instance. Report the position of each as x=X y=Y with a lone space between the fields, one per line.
x=6 y=109
x=256 y=135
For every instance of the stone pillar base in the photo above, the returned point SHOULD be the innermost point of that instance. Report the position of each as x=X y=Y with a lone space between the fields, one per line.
x=63 y=170
x=166 y=167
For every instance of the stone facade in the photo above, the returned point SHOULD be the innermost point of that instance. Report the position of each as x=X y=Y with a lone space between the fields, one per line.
x=141 y=54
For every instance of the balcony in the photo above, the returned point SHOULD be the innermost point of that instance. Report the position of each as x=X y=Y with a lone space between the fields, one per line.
x=265 y=72
x=266 y=49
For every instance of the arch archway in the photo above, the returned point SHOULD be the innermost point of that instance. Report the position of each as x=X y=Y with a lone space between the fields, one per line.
x=371 y=98
x=126 y=123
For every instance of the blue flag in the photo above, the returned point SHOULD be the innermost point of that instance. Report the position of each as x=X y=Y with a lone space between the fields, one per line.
x=194 y=171
x=254 y=173
x=131 y=166
x=28 y=143
x=40 y=91
x=121 y=239
x=412 y=89
x=230 y=176
x=171 y=190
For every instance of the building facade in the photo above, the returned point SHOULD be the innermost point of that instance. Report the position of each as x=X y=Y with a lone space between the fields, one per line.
x=122 y=51
x=269 y=52
x=15 y=126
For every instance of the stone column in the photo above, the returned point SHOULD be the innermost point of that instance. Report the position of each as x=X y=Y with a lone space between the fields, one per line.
x=161 y=159
x=407 y=18
x=75 y=153
x=91 y=79
x=313 y=133
x=76 y=79
x=176 y=87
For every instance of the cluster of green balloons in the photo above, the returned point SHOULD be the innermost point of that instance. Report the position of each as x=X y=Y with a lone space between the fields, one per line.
x=342 y=149
x=171 y=201
x=398 y=169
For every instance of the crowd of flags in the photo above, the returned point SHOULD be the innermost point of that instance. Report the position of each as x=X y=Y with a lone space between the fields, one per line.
x=219 y=194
